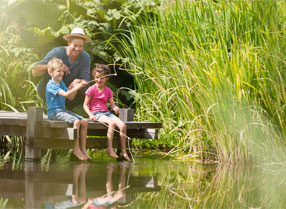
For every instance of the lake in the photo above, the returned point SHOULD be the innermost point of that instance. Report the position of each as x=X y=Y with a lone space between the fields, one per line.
x=150 y=182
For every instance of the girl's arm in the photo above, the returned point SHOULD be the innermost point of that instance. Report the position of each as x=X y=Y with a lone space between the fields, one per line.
x=113 y=106
x=86 y=108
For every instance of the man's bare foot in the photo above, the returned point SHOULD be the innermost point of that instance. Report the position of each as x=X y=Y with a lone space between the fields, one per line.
x=125 y=156
x=112 y=154
x=79 y=155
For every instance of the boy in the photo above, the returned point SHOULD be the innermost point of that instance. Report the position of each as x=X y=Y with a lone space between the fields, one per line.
x=56 y=94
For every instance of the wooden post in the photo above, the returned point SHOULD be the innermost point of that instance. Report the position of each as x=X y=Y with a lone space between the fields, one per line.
x=35 y=115
x=126 y=114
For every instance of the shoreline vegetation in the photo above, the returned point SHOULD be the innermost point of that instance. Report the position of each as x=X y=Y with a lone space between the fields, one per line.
x=211 y=72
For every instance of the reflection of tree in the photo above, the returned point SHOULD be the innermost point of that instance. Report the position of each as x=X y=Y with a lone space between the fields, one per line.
x=111 y=196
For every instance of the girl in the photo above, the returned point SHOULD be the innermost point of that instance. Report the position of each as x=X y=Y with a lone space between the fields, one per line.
x=95 y=106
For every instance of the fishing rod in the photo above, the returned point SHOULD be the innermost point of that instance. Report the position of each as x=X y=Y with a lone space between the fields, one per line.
x=115 y=74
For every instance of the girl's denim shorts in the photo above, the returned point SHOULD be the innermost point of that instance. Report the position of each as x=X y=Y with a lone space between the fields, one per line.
x=97 y=114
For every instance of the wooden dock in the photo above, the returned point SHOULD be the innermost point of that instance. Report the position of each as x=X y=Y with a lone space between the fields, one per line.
x=42 y=133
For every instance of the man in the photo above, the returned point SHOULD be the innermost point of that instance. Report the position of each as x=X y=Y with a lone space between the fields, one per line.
x=76 y=65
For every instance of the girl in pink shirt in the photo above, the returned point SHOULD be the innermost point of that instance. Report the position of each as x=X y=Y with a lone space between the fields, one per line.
x=95 y=106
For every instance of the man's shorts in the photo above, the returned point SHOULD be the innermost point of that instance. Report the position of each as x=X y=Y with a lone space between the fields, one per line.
x=65 y=115
x=97 y=114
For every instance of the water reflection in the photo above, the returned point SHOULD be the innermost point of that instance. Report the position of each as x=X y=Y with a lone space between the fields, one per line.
x=83 y=185
x=111 y=196
x=150 y=183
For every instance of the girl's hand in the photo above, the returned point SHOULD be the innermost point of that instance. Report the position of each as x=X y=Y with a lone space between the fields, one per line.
x=93 y=118
x=116 y=109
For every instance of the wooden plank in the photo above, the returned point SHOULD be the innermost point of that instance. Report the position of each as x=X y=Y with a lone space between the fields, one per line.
x=129 y=124
x=132 y=133
x=12 y=130
x=95 y=143
x=12 y=114
x=55 y=124
x=97 y=125
x=57 y=133
x=13 y=121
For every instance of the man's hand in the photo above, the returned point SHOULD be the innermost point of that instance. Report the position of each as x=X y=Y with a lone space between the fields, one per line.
x=66 y=70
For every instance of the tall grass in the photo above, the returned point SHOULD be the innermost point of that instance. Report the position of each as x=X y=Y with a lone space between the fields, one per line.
x=17 y=91
x=213 y=74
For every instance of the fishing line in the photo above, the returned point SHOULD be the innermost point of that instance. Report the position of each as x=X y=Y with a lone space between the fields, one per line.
x=127 y=139
x=115 y=74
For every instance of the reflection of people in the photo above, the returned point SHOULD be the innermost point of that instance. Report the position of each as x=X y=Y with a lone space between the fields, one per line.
x=76 y=65
x=95 y=106
x=56 y=92
x=78 y=190
x=109 y=199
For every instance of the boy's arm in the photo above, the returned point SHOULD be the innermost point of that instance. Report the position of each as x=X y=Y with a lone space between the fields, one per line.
x=113 y=106
x=70 y=94
x=86 y=108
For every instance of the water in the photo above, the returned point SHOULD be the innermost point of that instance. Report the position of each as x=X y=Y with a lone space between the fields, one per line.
x=149 y=183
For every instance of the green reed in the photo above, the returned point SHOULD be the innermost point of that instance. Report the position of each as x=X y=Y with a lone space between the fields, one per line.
x=213 y=74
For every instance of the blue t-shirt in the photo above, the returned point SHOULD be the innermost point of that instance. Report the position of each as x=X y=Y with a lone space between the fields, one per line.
x=80 y=68
x=54 y=101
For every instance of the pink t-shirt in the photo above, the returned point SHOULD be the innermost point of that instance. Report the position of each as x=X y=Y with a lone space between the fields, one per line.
x=98 y=100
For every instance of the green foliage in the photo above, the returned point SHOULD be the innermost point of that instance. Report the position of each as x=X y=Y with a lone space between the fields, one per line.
x=14 y=71
x=32 y=28
x=213 y=74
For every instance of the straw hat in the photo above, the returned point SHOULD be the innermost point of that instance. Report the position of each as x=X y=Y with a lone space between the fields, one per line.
x=77 y=32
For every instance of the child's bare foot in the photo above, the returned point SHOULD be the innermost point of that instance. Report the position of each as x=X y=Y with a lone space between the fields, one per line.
x=125 y=156
x=79 y=155
x=112 y=154
x=87 y=155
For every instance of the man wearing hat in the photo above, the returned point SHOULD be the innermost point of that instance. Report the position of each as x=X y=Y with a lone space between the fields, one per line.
x=76 y=63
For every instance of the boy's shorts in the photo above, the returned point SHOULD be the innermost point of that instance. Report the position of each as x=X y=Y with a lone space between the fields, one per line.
x=97 y=114
x=65 y=115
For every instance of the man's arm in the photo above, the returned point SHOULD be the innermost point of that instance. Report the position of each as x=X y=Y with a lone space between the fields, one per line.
x=41 y=67
x=39 y=70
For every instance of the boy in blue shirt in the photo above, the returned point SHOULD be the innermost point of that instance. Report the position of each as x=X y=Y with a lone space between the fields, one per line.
x=56 y=94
